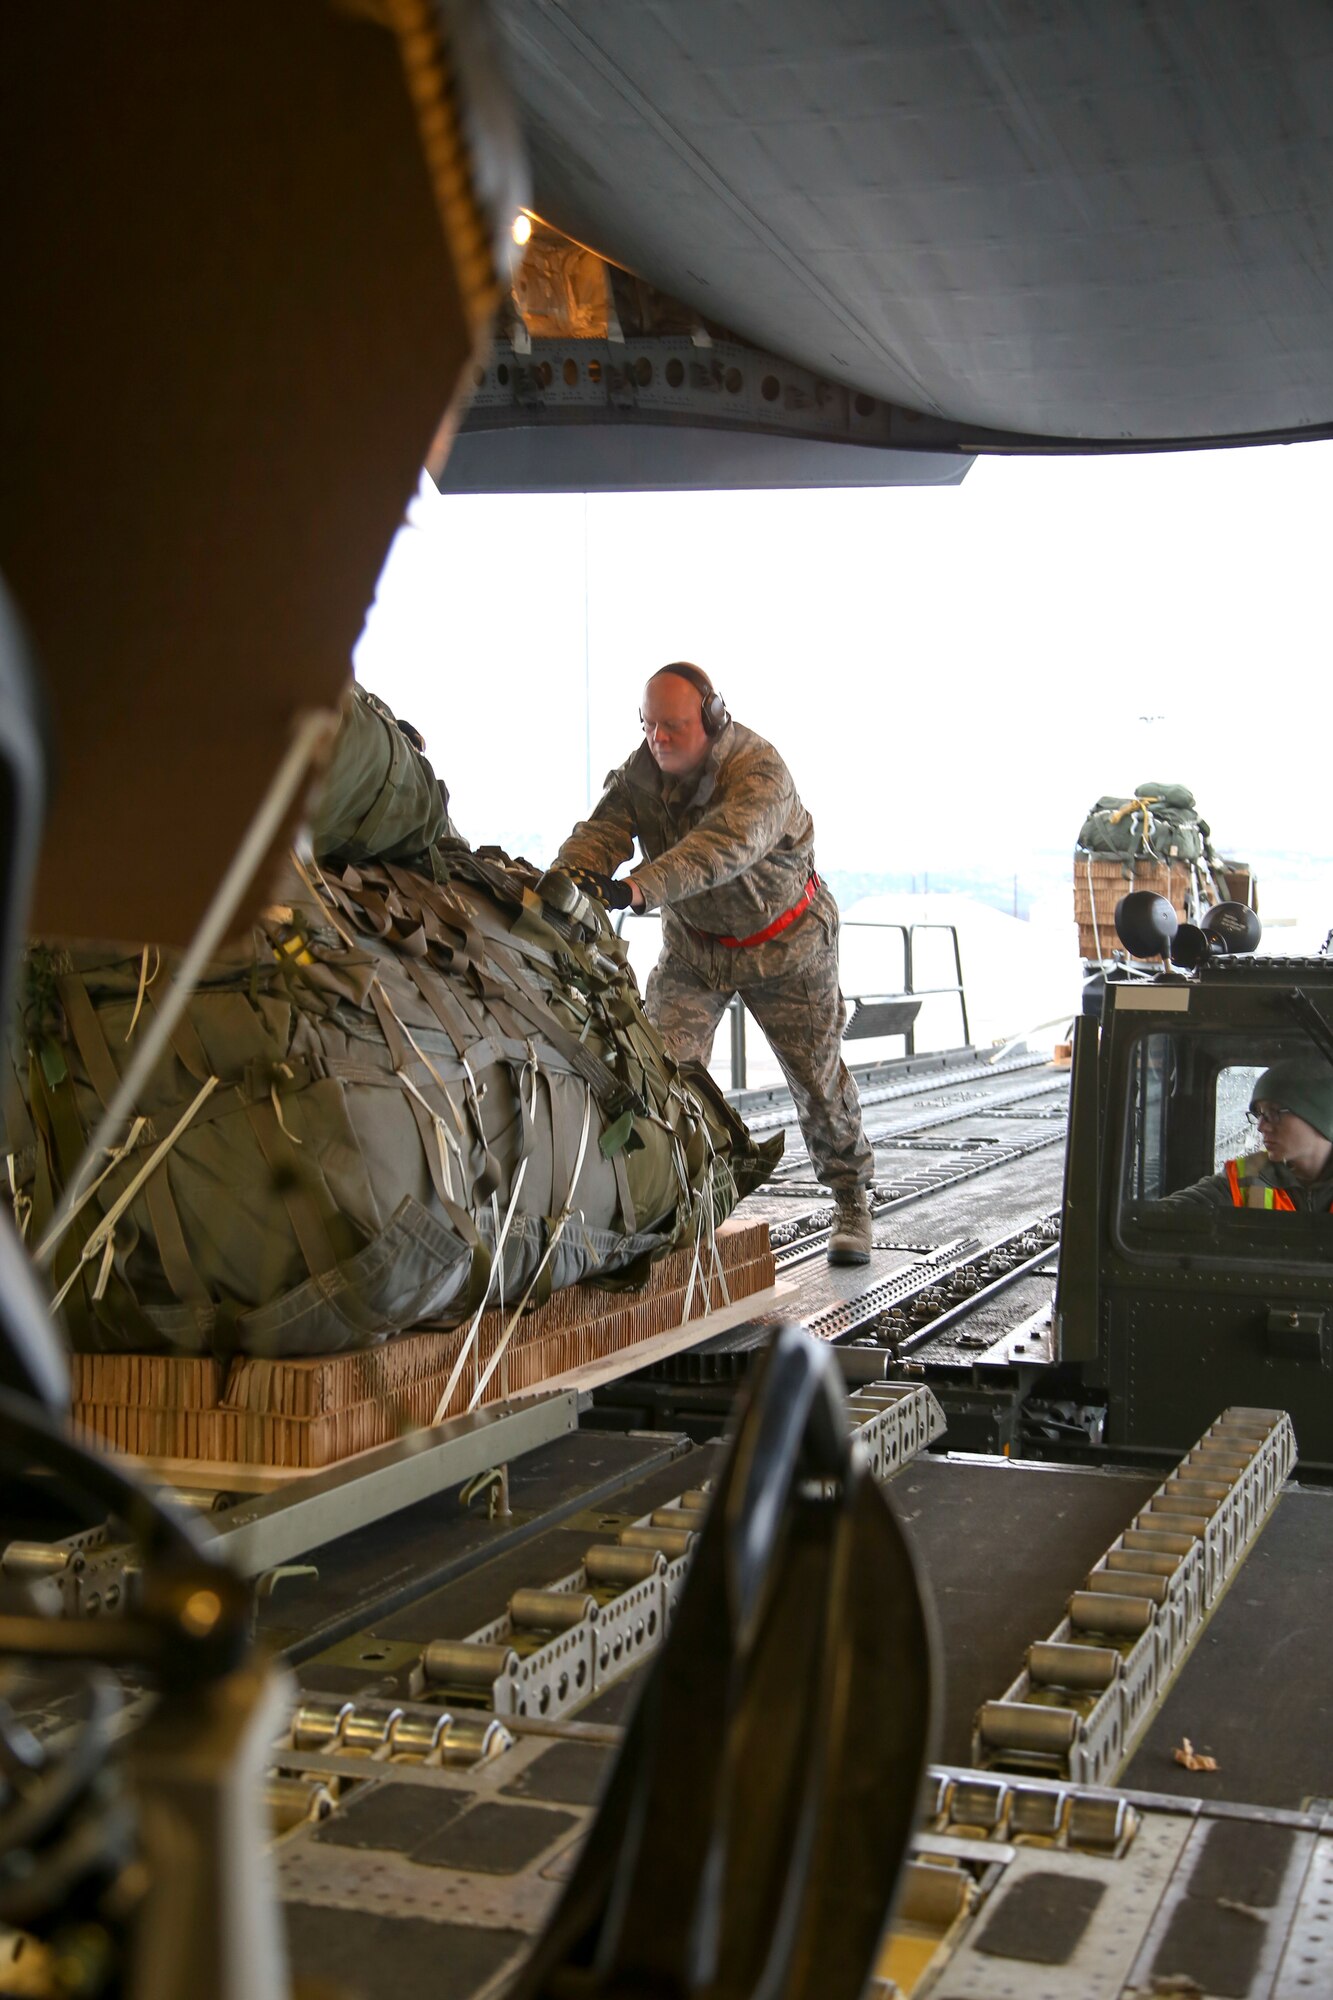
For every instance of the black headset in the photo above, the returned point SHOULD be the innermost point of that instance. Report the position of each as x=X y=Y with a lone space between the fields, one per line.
x=713 y=711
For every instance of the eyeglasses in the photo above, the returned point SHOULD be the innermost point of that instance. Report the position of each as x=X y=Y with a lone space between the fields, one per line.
x=1269 y=1114
x=651 y=728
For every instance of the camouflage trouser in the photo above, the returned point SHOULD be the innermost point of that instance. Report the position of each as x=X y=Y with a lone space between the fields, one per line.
x=802 y=1013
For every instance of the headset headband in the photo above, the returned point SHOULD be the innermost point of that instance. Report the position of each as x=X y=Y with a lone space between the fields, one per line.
x=687 y=671
x=713 y=711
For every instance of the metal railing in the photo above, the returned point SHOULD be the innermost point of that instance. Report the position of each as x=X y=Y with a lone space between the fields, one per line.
x=910 y=990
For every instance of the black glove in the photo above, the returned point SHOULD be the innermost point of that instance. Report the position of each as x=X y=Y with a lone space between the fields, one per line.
x=605 y=888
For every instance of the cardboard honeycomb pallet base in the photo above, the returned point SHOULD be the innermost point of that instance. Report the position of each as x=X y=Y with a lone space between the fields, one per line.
x=311 y=1413
x=1100 y=882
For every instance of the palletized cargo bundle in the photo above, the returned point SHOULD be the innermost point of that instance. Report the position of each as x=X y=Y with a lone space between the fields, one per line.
x=299 y=1413
x=415 y=1101
x=1153 y=840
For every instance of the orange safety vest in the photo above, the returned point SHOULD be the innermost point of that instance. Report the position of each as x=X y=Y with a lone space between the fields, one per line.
x=1248 y=1191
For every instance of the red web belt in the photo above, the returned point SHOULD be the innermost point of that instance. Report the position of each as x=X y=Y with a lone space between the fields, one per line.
x=772 y=930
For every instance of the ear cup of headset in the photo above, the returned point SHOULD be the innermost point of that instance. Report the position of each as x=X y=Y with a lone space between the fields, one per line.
x=714 y=714
x=713 y=711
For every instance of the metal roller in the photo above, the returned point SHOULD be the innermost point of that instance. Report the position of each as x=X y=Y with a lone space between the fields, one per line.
x=1201 y=1489
x=860 y=1365
x=1128 y=1583
x=196 y=1499
x=605 y=1563
x=317 y=1724
x=673 y=1542
x=470 y=1739
x=367 y=1729
x=933 y=1895
x=1191 y=1515
x=1099 y=1822
x=1041 y=1815
x=934 y=1795
x=291 y=1802
x=23 y=1561
x=417 y=1735
x=678 y=1517
x=978 y=1802
x=1053 y=1663
x=551 y=1610
x=1095 y=1611
x=1142 y=1562
x=1157 y=1542
x=458 y=1663
x=1179 y=1523
x=696 y=1498
x=877 y=1397
x=1216 y=1459
x=1025 y=1725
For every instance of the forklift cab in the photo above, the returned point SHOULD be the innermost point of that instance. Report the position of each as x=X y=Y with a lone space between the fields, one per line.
x=1179 y=1310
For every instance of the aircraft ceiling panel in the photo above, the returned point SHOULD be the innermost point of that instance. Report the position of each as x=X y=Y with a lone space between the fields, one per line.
x=1103 y=222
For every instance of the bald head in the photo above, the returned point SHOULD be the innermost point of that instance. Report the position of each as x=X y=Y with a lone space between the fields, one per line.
x=673 y=724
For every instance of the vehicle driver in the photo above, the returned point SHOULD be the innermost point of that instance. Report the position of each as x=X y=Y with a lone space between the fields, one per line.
x=1292 y=1104
x=728 y=858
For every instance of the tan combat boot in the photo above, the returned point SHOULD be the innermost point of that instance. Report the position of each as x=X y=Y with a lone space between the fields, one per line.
x=849 y=1238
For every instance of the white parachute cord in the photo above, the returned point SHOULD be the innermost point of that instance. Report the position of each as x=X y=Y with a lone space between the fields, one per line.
x=557 y=1232
x=310 y=733
x=120 y=1153
x=104 y=1234
x=444 y=1138
x=425 y=1060
x=707 y=1192
x=498 y=1262
x=143 y=984
x=1092 y=905
x=324 y=901
x=718 y=1271
x=696 y=1268
x=19 y=1201
x=284 y=1069
x=469 y=1338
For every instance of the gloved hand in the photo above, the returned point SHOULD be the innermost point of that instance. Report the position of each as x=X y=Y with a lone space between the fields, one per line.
x=604 y=888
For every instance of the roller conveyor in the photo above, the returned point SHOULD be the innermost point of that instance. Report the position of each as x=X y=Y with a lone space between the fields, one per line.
x=443 y=1755
x=1006 y=1547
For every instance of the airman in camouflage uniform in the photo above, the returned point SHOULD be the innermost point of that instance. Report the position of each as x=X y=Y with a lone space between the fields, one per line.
x=729 y=859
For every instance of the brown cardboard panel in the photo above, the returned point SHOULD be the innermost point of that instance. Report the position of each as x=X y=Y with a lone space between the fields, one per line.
x=311 y=1413
x=232 y=325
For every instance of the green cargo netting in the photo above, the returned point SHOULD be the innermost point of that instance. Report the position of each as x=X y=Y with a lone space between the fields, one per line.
x=420 y=1092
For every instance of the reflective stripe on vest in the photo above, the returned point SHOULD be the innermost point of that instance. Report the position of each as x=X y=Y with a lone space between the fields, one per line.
x=1248 y=1191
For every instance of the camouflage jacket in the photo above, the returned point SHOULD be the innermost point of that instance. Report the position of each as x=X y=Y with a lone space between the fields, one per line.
x=725 y=851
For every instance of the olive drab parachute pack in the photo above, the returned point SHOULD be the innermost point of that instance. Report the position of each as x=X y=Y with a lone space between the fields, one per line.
x=1154 y=840
x=421 y=1092
x=1161 y=821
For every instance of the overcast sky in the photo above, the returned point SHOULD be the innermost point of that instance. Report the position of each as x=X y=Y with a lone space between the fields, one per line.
x=953 y=675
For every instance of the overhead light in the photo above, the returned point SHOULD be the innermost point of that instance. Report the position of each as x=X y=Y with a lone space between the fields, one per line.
x=522 y=228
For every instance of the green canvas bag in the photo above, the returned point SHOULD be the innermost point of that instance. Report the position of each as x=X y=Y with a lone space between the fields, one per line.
x=417 y=1092
x=1160 y=821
